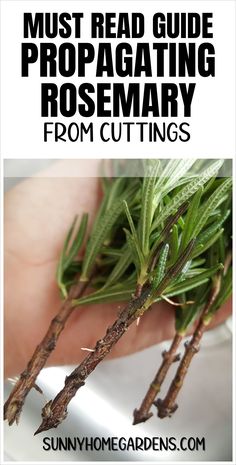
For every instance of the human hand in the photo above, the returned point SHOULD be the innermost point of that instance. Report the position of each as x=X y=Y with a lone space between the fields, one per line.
x=37 y=214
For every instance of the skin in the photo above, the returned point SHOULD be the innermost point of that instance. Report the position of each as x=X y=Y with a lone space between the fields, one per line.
x=37 y=215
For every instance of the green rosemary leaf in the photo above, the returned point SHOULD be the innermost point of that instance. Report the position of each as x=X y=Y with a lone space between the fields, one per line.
x=147 y=209
x=197 y=262
x=69 y=276
x=67 y=256
x=214 y=216
x=105 y=180
x=113 y=190
x=200 y=248
x=189 y=224
x=174 y=269
x=211 y=204
x=78 y=241
x=169 y=168
x=68 y=237
x=133 y=230
x=102 y=230
x=136 y=259
x=59 y=277
x=157 y=238
x=222 y=248
x=186 y=285
x=103 y=205
x=187 y=192
x=161 y=267
x=181 y=223
x=174 y=171
x=98 y=236
x=121 y=266
x=209 y=185
x=166 y=175
x=111 y=251
x=213 y=228
x=191 y=272
x=116 y=293
x=116 y=190
x=174 y=245
x=184 y=271
x=191 y=283
x=74 y=267
x=225 y=292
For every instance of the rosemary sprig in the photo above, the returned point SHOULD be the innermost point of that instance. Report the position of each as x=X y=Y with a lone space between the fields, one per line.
x=154 y=237
x=14 y=404
x=185 y=315
x=70 y=290
x=167 y=406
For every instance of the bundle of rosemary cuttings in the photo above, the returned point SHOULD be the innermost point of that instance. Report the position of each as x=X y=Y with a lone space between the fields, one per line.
x=163 y=231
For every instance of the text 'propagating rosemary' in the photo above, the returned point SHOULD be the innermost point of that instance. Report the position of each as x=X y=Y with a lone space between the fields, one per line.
x=109 y=68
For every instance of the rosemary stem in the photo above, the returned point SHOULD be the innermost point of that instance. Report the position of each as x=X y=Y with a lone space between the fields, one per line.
x=14 y=404
x=55 y=411
x=143 y=413
x=168 y=406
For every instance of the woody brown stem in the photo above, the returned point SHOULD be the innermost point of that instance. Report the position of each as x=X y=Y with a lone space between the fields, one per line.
x=15 y=402
x=55 y=410
x=168 y=406
x=143 y=413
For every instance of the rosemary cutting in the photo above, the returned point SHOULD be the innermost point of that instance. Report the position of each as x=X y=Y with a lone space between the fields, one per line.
x=162 y=232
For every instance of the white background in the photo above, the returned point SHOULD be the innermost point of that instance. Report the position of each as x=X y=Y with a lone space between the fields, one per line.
x=212 y=124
